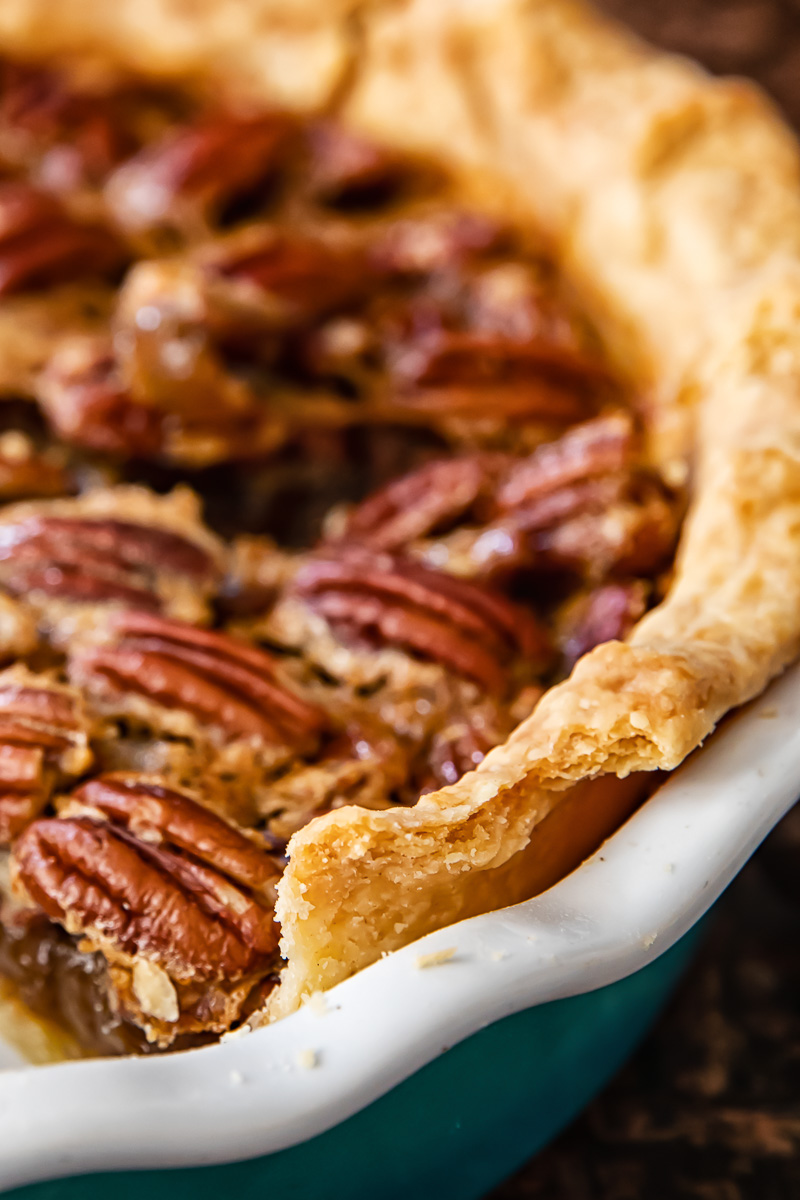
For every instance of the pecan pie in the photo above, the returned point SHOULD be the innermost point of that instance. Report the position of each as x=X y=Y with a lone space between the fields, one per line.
x=353 y=414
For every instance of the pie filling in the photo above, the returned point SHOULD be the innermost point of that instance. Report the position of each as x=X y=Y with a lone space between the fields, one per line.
x=312 y=482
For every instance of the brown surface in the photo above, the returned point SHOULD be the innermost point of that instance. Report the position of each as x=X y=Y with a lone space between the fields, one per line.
x=709 y=1108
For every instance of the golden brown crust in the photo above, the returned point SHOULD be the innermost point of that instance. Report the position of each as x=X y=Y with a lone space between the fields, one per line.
x=293 y=52
x=674 y=203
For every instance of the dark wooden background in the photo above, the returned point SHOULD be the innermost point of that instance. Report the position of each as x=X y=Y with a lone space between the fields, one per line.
x=709 y=1108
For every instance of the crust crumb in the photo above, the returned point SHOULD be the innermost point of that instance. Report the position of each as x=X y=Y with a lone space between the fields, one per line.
x=317 y=1004
x=307 y=1059
x=435 y=958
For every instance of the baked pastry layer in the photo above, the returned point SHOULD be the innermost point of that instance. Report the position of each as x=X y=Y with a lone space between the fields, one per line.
x=673 y=201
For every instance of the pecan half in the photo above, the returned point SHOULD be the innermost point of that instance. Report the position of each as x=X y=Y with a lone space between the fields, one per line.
x=88 y=404
x=580 y=502
x=187 y=179
x=187 y=675
x=122 y=546
x=476 y=358
x=347 y=169
x=168 y=398
x=519 y=300
x=606 y=614
x=557 y=480
x=64 y=137
x=44 y=741
x=480 y=375
x=163 y=816
x=68 y=138
x=178 y=900
x=293 y=276
x=435 y=241
x=425 y=502
x=602 y=446
x=533 y=400
x=41 y=244
x=377 y=600
x=634 y=534
x=366 y=763
x=462 y=742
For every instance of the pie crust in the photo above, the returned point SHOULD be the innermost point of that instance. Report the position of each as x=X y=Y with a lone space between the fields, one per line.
x=673 y=201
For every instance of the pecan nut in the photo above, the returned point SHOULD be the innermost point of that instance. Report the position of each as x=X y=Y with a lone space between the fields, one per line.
x=579 y=502
x=518 y=300
x=285 y=278
x=632 y=535
x=379 y=600
x=44 y=741
x=175 y=677
x=428 y=501
x=168 y=398
x=582 y=502
x=87 y=403
x=365 y=762
x=475 y=374
x=462 y=742
x=187 y=179
x=604 y=615
x=41 y=244
x=72 y=138
x=122 y=546
x=446 y=357
x=346 y=169
x=584 y=470
x=178 y=900
x=437 y=241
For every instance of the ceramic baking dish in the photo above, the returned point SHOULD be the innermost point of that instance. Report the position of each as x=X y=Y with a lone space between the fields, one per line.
x=471 y=1114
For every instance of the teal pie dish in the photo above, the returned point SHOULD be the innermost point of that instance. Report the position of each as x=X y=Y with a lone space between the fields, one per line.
x=457 y=1127
x=442 y=1067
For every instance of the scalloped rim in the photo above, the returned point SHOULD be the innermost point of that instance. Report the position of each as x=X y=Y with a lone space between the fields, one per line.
x=645 y=887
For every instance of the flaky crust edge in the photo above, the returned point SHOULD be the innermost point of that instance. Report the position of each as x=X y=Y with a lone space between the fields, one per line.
x=674 y=202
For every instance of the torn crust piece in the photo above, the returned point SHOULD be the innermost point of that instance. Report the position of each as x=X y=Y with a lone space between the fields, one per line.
x=673 y=201
x=72 y=560
x=683 y=212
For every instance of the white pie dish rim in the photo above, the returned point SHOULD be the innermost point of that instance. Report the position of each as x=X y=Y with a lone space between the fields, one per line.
x=632 y=900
